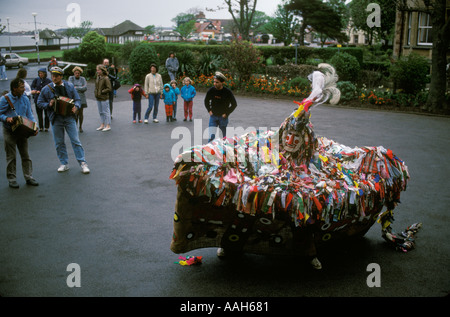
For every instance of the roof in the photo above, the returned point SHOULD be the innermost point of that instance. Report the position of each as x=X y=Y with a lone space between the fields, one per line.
x=122 y=28
x=48 y=34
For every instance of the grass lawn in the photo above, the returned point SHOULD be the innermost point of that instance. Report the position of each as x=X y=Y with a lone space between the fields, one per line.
x=43 y=54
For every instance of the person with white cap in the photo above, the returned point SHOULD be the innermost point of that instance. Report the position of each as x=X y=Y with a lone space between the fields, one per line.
x=220 y=103
x=61 y=123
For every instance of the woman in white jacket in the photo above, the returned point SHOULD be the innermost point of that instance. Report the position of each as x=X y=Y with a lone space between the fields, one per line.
x=153 y=86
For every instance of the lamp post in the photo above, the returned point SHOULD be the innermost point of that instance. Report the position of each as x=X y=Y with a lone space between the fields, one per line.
x=9 y=35
x=36 y=37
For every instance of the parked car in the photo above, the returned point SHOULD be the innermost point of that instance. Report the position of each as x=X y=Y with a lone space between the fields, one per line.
x=13 y=60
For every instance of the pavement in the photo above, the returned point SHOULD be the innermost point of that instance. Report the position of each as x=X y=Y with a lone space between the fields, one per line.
x=115 y=223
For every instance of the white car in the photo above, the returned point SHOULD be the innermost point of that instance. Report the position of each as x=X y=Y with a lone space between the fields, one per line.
x=14 y=60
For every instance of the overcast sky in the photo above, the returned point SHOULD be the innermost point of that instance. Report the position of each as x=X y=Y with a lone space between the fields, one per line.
x=107 y=13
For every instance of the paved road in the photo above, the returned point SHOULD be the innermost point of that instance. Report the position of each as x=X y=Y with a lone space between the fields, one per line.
x=116 y=223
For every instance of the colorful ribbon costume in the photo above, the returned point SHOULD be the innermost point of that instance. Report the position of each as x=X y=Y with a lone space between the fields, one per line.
x=260 y=192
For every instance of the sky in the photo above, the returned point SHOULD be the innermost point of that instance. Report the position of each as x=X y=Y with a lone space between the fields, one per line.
x=108 y=13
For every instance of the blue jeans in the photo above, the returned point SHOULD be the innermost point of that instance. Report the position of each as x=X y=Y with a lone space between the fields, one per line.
x=153 y=102
x=104 y=111
x=3 y=72
x=68 y=124
x=215 y=121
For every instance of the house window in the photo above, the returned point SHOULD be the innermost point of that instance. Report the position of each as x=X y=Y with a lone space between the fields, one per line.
x=355 y=39
x=409 y=28
x=424 y=36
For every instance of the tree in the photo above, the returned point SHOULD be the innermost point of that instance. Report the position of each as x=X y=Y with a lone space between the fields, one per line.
x=260 y=19
x=78 y=32
x=2 y=27
x=140 y=60
x=185 y=29
x=182 y=18
x=318 y=15
x=243 y=58
x=150 y=29
x=185 y=24
x=359 y=15
x=93 y=47
x=242 y=12
x=283 y=25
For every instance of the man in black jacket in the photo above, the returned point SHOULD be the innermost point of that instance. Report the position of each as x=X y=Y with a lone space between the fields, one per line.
x=220 y=103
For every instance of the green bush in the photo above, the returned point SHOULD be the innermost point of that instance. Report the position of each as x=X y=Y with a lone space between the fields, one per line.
x=208 y=64
x=93 y=48
x=188 y=63
x=348 y=90
x=243 y=59
x=289 y=71
x=140 y=60
x=346 y=65
x=300 y=82
x=410 y=73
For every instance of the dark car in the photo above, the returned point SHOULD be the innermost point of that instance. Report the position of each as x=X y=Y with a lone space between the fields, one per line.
x=14 y=60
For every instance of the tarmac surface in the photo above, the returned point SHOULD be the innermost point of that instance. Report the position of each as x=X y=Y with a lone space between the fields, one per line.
x=116 y=222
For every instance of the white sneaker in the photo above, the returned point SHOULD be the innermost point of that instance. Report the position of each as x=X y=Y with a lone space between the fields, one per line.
x=63 y=168
x=220 y=252
x=84 y=168
x=316 y=264
x=145 y=121
x=155 y=120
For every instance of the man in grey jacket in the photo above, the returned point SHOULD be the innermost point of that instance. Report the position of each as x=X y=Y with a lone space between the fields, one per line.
x=172 y=65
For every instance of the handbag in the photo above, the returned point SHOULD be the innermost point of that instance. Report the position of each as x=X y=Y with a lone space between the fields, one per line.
x=22 y=126
x=116 y=84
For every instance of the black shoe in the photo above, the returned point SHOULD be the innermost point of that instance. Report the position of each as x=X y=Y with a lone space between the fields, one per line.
x=190 y=120
x=32 y=182
x=173 y=119
x=13 y=184
x=184 y=119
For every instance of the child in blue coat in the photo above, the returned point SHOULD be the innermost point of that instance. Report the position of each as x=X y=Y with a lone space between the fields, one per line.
x=188 y=93
x=169 y=101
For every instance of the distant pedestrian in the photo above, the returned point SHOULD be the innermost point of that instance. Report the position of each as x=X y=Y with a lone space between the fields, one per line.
x=3 y=68
x=220 y=103
x=169 y=101
x=53 y=63
x=102 y=90
x=188 y=93
x=172 y=66
x=136 y=95
x=153 y=86
x=80 y=84
x=176 y=91
x=36 y=86
x=22 y=74
x=112 y=75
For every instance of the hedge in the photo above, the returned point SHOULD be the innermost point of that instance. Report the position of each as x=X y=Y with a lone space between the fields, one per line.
x=279 y=54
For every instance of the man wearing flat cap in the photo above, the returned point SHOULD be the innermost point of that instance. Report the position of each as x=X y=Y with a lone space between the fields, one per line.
x=61 y=123
x=220 y=103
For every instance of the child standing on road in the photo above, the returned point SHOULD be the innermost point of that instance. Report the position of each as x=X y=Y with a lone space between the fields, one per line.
x=136 y=95
x=188 y=93
x=169 y=101
x=176 y=90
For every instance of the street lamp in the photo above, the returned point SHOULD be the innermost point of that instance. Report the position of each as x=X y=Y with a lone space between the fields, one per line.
x=36 y=37
x=9 y=35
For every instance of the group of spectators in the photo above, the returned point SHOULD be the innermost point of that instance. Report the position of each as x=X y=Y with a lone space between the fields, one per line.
x=47 y=93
